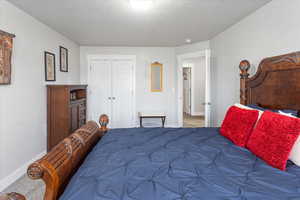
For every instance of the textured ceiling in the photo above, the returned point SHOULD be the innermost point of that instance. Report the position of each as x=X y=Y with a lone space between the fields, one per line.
x=115 y=23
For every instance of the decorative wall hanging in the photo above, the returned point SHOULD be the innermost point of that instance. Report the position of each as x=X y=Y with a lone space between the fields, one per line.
x=6 y=46
x=63 y=59
x=50 y=66
x=156 y=77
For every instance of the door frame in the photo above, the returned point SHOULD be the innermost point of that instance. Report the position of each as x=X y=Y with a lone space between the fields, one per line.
x=180 y=60
x=95 y=57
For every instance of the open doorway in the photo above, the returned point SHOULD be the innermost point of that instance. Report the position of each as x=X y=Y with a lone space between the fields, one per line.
x=193 y=76
x=194 y=89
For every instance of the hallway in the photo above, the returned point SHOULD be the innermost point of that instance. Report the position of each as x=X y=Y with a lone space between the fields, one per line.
x=193 y=121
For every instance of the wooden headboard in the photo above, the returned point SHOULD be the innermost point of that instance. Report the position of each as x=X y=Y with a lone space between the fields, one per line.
x=276 y=83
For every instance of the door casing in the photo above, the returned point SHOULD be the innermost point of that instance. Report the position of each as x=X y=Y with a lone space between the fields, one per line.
x=180 y=60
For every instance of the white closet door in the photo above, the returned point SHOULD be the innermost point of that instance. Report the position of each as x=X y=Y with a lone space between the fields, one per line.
x=100 y=89
x=122 y=93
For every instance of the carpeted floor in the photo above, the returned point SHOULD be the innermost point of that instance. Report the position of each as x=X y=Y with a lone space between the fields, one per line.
x=32 y=189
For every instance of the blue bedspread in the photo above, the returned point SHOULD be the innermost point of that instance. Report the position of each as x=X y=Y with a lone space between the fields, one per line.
x=177 y=164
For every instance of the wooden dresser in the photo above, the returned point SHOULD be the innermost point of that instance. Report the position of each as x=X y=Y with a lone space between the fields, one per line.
x=66 y=111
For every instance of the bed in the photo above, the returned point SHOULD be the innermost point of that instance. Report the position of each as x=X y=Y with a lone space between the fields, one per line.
x=195 y=163
x=165 y=163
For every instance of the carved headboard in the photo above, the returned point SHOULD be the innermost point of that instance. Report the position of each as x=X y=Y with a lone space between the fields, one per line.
x=276 y=83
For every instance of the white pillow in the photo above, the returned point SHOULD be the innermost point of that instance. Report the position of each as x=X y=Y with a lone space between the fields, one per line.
x=286 y=114
x=295 y=153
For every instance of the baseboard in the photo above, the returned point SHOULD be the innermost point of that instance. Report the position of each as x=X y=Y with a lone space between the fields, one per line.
x=172 y=126
x=18 y=173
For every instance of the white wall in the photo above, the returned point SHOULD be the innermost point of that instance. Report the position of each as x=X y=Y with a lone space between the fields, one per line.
x=271 y=30
x=145 y=100
x=23 y=103
x=198 y=79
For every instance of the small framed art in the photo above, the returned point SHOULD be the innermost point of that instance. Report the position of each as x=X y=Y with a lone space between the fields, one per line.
x=63 y=59
x=50 y=66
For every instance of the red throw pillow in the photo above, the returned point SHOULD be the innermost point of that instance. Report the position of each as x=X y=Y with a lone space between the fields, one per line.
x=273 y=138
x=238 y=125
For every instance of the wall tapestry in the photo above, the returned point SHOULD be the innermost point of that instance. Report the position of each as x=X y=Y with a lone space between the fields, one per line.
x=6 y=46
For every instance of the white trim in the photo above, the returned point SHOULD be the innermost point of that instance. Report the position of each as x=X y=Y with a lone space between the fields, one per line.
x=180 y=60
x=95 y=57
x=18 y=173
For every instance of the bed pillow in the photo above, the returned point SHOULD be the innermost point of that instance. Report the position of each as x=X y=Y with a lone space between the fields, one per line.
x=260 y=112
x=295 y=153
x=238 y=125
x=243 y=106
x=257 y=107
x=286 y=114
x=287 y=111
x=273 y=138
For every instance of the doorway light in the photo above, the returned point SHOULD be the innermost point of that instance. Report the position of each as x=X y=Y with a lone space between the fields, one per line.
x=141 y=5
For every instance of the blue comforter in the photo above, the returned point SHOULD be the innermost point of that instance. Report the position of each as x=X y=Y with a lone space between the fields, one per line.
x=177 y=164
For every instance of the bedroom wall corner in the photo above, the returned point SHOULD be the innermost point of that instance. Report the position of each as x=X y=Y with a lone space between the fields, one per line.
x=23 y=102
x=271 y=30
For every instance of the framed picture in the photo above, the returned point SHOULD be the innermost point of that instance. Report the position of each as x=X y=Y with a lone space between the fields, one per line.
x=50 y=66
x=6 y=47
x=63 y=59
x=156 y=77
